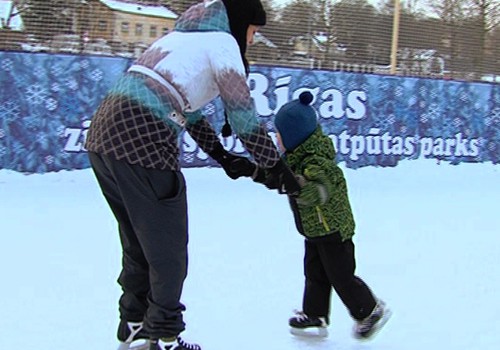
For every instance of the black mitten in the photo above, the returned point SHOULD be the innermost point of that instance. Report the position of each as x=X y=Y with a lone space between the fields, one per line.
x=260 y=176
x=234 y=166
x=279 y=177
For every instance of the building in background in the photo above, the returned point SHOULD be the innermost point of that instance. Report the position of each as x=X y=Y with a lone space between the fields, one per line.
x=123 y=25
x=429 y=45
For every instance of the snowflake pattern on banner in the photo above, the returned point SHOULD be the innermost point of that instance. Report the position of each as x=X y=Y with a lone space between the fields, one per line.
x=377 y=120
x=47 y=101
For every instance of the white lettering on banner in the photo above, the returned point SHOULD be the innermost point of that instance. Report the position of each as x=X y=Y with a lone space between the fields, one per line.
x=338 y=104
x=332 y=103
x=259 y=84
x=76 y=138
x=356 y=108
x=457 y=146
x=353 y=146
x=281 y=91
x=333 y=107
x=375 y=144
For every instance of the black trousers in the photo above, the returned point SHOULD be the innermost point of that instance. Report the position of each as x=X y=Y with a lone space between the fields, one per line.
x=151 y=210
x=330 y=262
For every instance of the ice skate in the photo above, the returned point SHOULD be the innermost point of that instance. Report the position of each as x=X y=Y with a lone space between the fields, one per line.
x=370 y=326
x=176 y=344
x=308 y=326
x=132 y=336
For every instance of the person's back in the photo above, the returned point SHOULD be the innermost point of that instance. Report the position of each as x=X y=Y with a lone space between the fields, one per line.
x=133 y=148
x=173 y=79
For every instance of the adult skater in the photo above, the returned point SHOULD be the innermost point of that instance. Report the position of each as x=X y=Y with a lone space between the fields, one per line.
x=134 y=153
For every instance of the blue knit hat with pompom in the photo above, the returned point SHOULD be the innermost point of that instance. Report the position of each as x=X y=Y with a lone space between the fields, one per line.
x=296 y=121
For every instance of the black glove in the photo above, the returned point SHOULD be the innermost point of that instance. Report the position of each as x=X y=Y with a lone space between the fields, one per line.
x=234 y=166
x=279 y=177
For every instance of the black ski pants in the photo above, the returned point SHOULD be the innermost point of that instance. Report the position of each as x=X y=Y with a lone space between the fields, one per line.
x=151 y=210
x=330 y=262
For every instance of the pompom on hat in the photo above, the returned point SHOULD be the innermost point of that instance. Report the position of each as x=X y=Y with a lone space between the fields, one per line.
x=296 y=121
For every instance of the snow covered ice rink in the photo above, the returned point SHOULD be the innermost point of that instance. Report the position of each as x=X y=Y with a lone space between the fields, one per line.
x=427 y=242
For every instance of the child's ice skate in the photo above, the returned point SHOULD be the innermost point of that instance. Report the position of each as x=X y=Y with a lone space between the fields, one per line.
x=308 y=326
x=176 y=344
x=132 y=336
x=367 y=328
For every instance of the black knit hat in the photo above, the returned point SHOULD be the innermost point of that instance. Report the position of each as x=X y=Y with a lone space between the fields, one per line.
x=241 y=14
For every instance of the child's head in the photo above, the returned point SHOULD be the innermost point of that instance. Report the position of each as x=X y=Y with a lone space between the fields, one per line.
x=296 y=121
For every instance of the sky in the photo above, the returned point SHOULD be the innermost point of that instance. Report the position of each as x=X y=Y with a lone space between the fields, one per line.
x=284 y=2
x=421 y=5
x=427 y=242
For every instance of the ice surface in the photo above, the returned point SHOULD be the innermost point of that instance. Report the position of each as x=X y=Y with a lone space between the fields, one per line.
x=427 y=243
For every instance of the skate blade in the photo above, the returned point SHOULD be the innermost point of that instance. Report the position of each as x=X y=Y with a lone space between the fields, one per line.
x=377 y=328
x=311 y=332
x=139 y=344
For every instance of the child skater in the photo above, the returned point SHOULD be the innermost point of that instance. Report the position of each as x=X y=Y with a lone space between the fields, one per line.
x=323 y=215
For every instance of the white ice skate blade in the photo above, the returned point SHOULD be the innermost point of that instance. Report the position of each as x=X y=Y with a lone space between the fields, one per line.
x=139 y=344
x=310 y=332
x=377 y=328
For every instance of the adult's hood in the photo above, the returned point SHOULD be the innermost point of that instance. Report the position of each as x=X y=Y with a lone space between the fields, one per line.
x=208 y=16
x=231 y=16
x=241 y=14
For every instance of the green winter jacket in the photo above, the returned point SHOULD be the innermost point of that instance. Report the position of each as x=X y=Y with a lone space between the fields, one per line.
x=322 y=207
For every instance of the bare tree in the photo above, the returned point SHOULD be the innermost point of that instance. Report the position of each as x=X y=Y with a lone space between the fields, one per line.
x=487 y=12
x=452 y=13
x=467 y=24
x=18 y=6
x=354 y=24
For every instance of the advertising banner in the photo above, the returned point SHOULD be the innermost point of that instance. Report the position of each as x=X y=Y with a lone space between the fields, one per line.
x=47 y=102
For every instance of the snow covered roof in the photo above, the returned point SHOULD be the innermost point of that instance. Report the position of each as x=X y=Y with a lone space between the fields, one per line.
x=16 y=22
x=139 y=9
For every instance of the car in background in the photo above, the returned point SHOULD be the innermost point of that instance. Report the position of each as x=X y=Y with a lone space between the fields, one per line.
x=98 y=47
x=121 y=49
x=139 y=48
x=66 y=43
x=33 y=44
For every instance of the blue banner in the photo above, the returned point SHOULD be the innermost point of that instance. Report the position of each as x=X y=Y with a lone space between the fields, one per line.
x=47 y=101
